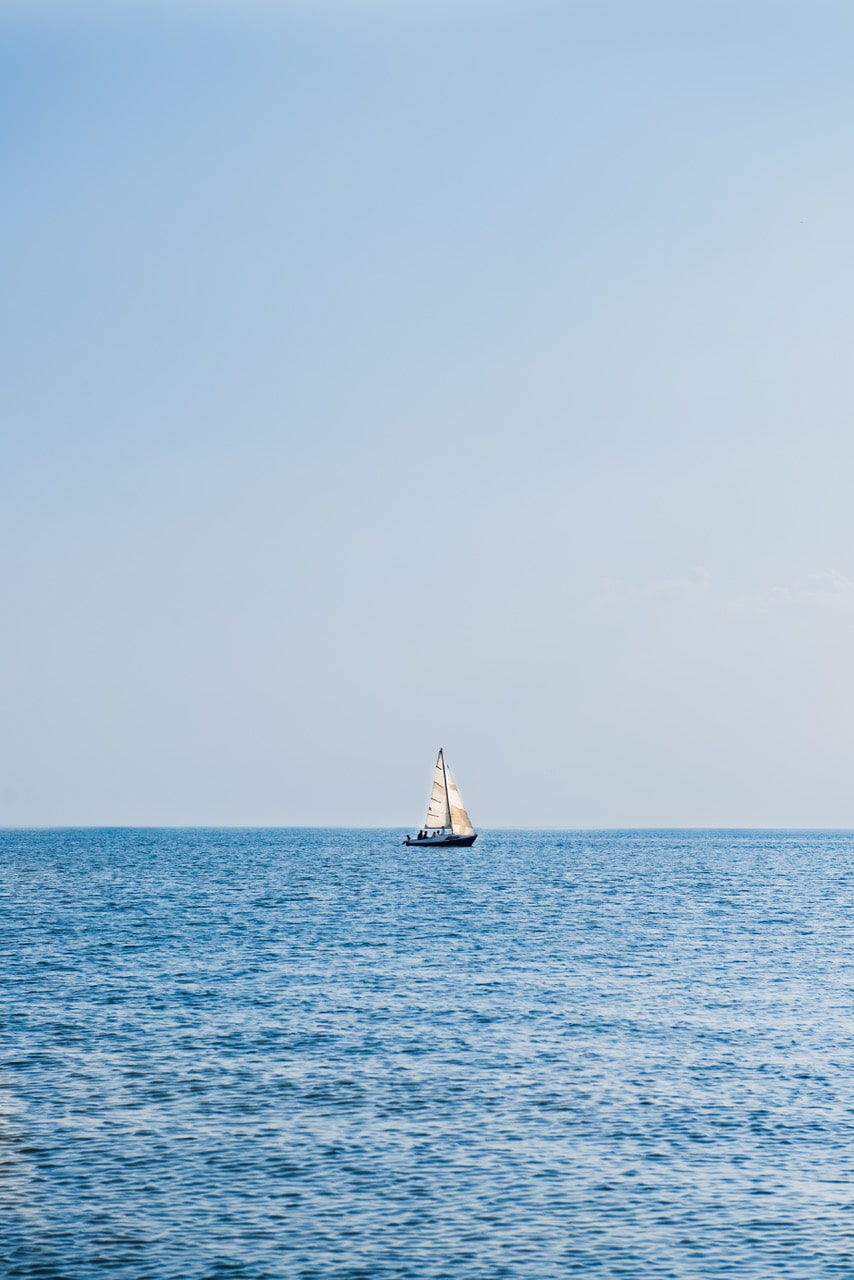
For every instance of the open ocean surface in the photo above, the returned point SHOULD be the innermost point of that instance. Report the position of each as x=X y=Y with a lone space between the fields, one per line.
x=320 y=1055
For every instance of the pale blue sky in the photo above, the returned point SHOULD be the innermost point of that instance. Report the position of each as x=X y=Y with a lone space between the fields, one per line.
x=379 y=377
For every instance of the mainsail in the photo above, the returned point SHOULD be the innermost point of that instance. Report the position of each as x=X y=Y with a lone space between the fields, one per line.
x=460 y=821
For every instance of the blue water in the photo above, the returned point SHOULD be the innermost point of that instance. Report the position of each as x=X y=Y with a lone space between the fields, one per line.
x=318 y=1054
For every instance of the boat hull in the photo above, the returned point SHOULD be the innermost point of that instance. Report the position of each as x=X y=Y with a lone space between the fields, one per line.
x=432 y=842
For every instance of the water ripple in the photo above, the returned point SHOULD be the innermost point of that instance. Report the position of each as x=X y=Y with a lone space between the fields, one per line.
x=317 y=1055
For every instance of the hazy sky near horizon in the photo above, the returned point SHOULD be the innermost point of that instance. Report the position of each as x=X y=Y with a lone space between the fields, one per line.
x=379 y=377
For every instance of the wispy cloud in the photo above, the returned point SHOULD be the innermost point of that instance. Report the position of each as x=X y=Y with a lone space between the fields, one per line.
x=827 y=591
x=615 y=594
x=824 y=591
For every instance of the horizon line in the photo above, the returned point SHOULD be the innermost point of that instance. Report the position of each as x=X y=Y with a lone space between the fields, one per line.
x=124 y=826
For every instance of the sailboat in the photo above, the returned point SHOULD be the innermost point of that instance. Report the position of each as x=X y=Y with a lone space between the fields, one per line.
x=447 y=822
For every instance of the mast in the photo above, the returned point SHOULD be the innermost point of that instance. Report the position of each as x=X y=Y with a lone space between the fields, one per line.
x=447 y=793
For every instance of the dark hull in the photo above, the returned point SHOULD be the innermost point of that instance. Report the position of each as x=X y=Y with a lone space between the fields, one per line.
x=457 y=842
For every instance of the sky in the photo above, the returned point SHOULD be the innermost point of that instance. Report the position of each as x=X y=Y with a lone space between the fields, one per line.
x=378 y=377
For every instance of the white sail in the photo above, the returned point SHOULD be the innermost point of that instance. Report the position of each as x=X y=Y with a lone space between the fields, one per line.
x=438 y=810
x=460 y=821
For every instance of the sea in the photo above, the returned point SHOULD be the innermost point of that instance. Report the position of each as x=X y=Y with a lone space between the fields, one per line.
x=320 y=1055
